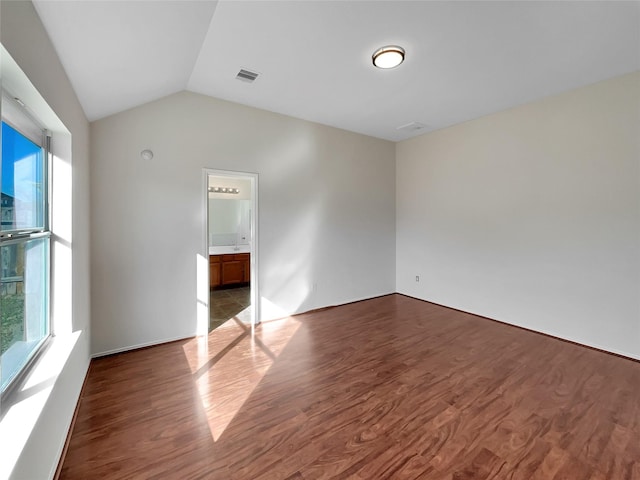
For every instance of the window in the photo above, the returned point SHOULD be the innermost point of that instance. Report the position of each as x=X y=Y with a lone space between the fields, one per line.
x=24 y=241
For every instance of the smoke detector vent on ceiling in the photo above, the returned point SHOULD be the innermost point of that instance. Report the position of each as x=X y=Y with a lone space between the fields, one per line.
x=246 y=75
x=412 y=127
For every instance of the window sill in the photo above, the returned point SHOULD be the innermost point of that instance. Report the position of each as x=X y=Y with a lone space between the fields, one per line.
x=24 y=404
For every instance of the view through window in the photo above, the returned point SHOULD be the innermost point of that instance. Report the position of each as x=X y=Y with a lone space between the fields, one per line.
x=24 y=250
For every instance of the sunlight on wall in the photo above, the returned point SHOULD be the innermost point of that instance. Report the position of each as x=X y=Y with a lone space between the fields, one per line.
x=61 y=301
x=229 y=364
x=291 y=284
x=202 y=295
x=287 y=277
x=270 y=310
x=61 y=258
x=61 y=186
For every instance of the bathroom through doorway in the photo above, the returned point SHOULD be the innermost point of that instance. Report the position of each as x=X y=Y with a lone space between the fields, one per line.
x=231 y=205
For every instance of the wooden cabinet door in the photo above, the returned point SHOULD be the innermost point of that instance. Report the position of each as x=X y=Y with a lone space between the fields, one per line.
x=232 y=272
x=214 y=272
x=247 y=269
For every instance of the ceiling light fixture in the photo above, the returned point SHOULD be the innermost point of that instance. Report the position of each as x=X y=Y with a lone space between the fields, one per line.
x=388 y=57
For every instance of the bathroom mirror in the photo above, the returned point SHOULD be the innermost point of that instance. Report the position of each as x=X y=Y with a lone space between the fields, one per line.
x=229 y=221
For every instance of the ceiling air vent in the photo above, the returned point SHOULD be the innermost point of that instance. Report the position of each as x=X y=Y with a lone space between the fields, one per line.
x=246 y=75
x=412 y=127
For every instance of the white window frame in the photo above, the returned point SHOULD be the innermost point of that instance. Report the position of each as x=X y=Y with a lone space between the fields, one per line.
x=17 y=116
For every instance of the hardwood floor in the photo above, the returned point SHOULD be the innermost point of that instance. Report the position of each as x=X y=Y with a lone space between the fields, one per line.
x=389 y=388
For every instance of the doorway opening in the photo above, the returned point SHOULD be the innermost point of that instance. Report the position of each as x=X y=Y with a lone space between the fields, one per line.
x=231 y=241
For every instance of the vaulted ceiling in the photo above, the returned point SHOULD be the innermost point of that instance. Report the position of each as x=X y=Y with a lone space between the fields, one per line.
x=463 y=59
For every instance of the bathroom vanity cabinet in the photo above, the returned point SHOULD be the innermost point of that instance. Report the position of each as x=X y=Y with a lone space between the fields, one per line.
x=229 y=269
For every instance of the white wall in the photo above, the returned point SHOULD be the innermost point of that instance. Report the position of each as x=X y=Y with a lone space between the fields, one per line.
x=36 y=420
x=326 y=213
x=531 y=216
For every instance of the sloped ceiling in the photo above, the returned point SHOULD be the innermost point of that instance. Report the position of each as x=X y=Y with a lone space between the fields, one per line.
x=464 y=59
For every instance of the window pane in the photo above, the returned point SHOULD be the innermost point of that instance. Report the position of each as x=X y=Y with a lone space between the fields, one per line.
x=23 y=182
x=23 y=303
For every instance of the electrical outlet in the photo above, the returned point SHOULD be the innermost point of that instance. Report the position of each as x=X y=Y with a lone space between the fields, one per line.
x=417 y=278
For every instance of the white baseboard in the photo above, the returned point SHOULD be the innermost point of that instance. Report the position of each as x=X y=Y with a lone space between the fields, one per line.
x=140 y=345
x=548 y=333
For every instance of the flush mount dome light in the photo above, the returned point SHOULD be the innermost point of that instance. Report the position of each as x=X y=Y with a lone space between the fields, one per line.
x=388 y=57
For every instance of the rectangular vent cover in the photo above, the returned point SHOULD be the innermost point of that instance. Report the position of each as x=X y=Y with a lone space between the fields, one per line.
x=247 y=75
x=412 y=127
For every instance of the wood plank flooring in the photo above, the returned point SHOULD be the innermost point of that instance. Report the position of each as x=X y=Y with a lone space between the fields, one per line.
x=389 y=388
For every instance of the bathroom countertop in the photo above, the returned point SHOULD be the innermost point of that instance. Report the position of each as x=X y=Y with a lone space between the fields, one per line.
x=221 y=250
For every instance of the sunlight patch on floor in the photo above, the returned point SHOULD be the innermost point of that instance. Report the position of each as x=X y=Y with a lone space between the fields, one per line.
x=230 y=362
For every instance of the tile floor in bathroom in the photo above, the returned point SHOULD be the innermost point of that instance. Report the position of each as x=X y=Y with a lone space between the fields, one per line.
x=225 y=304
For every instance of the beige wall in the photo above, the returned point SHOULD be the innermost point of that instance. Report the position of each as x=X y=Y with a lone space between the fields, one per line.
x=326 y=213
x=531 y=216
x=36 y=420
